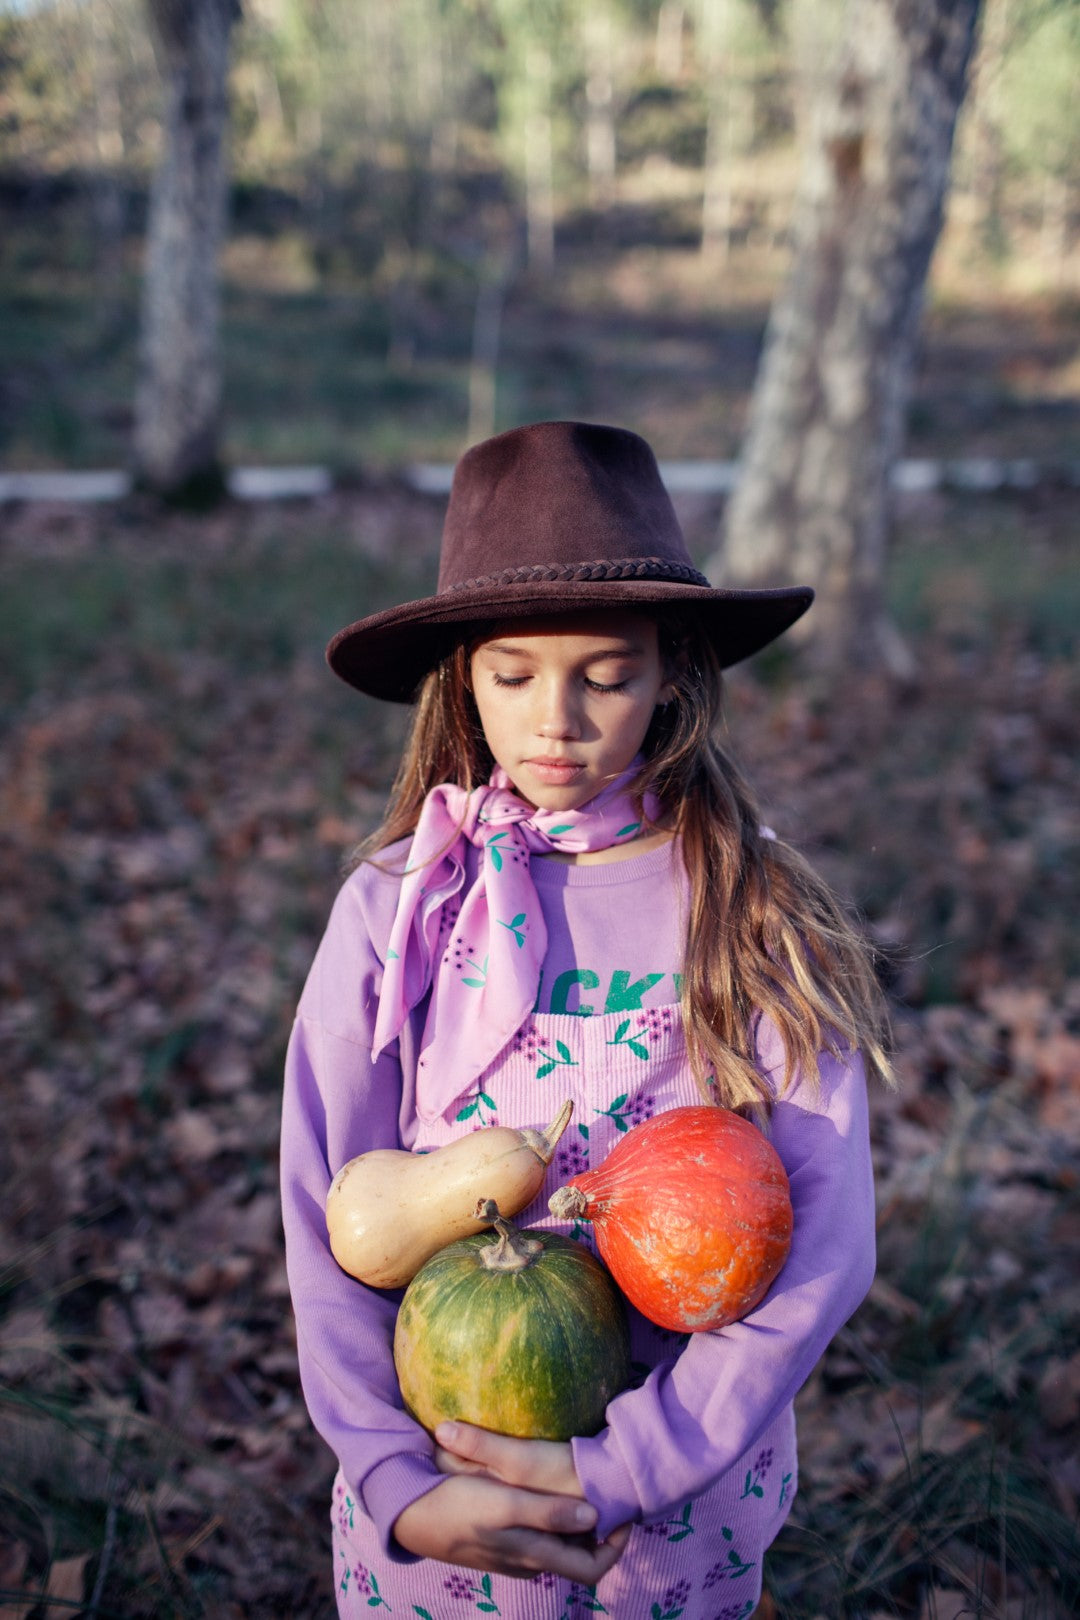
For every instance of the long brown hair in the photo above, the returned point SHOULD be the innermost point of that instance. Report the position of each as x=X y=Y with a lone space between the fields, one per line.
x=765 y=935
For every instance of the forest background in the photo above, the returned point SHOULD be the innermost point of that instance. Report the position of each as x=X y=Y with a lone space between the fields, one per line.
x=448 y=216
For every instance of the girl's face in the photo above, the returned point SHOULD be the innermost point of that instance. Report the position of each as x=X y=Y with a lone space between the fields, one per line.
x=565 y=701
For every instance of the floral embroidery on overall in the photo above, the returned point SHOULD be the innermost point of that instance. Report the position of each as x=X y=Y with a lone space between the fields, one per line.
x=462 y=1588
x=729 y=1568
x=526 y=1040
x=550 y=1063
x=672 y=1603
x=346 y=1510
x=626 y=1110
x=623 y=1038
x=676 y=1529
x=366 y=1585
x=581 y=1601
x=477 y=1105
x=752 y=1485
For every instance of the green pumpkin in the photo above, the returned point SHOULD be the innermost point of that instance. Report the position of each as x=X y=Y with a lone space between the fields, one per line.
x=523 y=1333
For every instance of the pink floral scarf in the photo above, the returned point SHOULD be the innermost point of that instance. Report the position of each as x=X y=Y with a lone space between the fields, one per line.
x=481 y=955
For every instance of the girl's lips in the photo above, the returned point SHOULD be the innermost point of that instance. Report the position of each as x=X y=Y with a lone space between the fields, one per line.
x=555 y=770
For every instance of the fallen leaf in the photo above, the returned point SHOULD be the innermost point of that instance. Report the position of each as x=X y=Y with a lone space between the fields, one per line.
x=67 y=1578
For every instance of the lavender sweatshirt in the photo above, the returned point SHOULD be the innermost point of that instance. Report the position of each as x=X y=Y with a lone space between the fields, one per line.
x=615 y=935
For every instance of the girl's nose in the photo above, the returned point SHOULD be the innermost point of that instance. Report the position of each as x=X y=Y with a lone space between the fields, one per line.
x=557 y=713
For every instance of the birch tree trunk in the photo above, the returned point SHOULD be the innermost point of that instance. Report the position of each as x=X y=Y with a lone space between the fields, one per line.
x=178 y=399
x=827 y=418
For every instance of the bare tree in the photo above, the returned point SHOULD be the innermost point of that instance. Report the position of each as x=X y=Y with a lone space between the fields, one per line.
x=178 y=400
x=827 y=418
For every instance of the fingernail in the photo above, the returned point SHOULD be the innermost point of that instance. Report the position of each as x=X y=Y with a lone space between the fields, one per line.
x=446 y=1433
x=585 y=1515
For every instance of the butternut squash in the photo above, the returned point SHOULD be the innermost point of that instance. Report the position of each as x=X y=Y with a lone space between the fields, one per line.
x=388 y=1211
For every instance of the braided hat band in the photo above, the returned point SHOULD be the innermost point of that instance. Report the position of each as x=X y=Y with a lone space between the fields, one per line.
x=625 y=568
x=555 y=518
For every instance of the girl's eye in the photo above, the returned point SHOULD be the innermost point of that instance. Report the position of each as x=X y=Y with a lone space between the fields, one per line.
x=516 y=681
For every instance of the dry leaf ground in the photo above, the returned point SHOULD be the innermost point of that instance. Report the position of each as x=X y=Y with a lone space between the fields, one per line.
x=180 y=783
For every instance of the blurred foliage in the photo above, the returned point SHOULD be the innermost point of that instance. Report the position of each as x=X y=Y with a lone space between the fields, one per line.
x=320 y=87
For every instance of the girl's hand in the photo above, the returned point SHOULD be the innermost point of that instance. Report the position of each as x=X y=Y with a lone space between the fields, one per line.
x=537 y=1465
x=479 y=1522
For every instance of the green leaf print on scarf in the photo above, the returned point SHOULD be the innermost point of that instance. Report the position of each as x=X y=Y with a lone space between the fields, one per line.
x=492 y=847
x=621 y=1038
x=481 y=968
x=514 y=925
x=565 y=1059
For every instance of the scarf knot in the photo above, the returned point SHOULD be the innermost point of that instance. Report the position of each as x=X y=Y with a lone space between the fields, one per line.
x=480 y=956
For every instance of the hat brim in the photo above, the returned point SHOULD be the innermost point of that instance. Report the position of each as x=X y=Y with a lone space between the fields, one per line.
x=388 y=654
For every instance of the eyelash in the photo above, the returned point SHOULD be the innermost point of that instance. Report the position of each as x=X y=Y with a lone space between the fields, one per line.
x=516 y=681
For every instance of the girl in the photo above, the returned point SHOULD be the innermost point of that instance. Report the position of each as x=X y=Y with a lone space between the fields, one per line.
x=572 y=895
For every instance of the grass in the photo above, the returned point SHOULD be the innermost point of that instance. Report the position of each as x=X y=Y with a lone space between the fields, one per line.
x=263 y=602
x=1004 y=568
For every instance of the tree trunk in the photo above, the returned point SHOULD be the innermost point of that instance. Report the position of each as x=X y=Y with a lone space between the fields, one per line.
x=827 y=418
x=670 y=23
x=178 y=401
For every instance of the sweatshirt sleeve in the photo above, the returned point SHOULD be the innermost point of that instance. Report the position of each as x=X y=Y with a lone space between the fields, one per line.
x=696 y=1415
x=338 y=1103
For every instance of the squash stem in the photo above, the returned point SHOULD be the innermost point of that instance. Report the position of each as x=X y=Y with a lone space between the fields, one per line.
x=569 y=1204
x=513 y=1250
x=544 y=1143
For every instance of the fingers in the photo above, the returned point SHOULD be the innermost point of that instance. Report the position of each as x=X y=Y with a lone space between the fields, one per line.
x=523 y=1553
x=540 y=1465
x=537 y=1510
x=483 y=1524
x=447 y=1462
x=480 y=1446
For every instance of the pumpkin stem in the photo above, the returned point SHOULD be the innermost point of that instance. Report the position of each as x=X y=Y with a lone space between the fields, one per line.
x=544 y=1143
x=513 y=1250
x=569 y=1204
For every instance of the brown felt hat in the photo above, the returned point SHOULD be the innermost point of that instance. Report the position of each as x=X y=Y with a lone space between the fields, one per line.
x=548 y=519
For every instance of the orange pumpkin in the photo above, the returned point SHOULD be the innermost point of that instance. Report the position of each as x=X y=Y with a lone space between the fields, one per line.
x=692 y=1214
